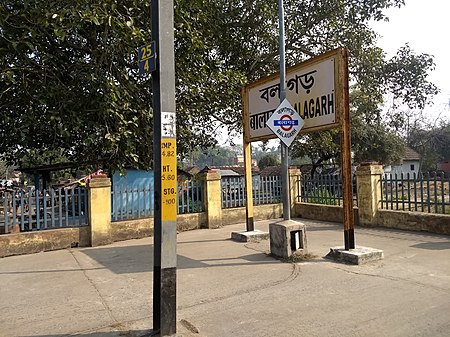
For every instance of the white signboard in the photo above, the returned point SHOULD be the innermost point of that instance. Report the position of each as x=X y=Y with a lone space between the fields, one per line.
x=285 y=123
x=313 y=89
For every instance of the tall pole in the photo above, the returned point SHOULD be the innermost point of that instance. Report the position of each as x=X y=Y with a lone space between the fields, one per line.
x=284 y=148
x=346 y=164
x=165 y=170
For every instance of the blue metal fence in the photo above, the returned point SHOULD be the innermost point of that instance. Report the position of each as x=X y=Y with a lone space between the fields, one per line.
x=323 y=189
x=30 y=210
x=129 y=203
x=266 y=190
x=190 y=197
x=416 y=193
x=136 y=202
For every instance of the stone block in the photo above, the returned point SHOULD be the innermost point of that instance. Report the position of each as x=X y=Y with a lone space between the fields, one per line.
x=359 y=255
x=287 y=238
x=250 y=236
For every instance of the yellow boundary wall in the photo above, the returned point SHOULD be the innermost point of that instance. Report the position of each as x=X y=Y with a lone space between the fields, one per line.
x=103 y=231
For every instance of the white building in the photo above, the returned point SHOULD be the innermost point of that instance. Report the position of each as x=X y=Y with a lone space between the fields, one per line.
x=410 y=164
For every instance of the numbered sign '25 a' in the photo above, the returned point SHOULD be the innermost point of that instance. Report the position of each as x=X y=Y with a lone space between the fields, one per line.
x=147 y=58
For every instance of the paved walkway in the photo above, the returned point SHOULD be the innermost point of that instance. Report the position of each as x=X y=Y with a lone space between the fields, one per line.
x=228 y=289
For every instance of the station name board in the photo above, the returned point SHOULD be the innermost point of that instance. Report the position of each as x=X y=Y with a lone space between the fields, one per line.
x=314 y=88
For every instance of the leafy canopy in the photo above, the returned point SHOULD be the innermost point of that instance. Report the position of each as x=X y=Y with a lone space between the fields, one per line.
x=69 y=83
x=378 y=137
x=432 y=143
x=268 y=160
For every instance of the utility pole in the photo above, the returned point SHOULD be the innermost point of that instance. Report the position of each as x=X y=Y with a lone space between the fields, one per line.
x=284 y=147
x=165 y=170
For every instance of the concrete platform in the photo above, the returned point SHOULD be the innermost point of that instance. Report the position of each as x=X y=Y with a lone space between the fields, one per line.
x=225 y=288
x=359 y=255
x=251 y=236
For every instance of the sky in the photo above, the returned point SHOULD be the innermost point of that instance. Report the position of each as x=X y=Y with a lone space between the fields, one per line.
x=425 y=25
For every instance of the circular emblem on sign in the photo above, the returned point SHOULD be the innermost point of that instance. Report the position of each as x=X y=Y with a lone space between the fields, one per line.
x=287 y=127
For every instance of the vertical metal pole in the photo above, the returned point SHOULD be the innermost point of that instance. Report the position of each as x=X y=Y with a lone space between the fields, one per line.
x=164 y=154
x=284 y=148
x=346 y=159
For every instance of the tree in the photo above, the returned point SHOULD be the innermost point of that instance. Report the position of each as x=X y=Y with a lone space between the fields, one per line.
x=320 y=147
x=262 y=149
x=69 y=79
x=378 y=137
x=213 y=156
x=432 y=144
x=68 y=82
x=268 y=160
x=3 y=169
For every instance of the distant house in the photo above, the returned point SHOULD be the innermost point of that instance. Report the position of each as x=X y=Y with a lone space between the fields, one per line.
x=192 y=170
x=239 y=161
x=410 y=164
x=231 y=170
x=271 y=171
x=445 y=167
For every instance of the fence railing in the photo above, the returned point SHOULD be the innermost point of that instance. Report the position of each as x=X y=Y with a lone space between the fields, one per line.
x=190 y=197
x=323 y=189
x=30 y=210
x=128 y=202
x=136 y=202
x=416 y=193
x=266 y=190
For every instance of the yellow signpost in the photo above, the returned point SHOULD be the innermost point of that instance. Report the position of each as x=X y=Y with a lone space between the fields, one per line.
x=168 y=179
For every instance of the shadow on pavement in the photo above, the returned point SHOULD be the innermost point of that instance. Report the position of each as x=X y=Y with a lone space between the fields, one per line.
x=433 y=245
x=139 y=259
x=134 y=333
x=323 y=228
x=49 y=271
x=202 y=241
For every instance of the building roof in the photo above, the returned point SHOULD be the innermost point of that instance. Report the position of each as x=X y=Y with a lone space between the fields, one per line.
x=240 y=170
x=410 y=154
x=228 y=173
x=48 y=168
x=271 y=171
x=193 y=170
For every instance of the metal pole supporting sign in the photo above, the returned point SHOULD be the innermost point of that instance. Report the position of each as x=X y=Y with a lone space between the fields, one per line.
x=284 y=148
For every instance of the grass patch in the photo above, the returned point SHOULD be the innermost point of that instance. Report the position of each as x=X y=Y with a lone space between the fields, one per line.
x=295 y=258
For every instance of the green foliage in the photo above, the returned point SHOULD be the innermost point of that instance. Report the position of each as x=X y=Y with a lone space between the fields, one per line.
x=371 y=139
x=321 y=196
x=376 y=137
x=268 y=160
x=213 y=156
x=320 y=147
x=3 y=169
x=70 y=84
x=261 y=149
x=406 y=77
x=432 y=143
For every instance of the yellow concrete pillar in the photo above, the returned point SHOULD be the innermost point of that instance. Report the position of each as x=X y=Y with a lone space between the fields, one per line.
x=213 y=199
x=368 y=177
x=100 y=211
x=294 y=180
